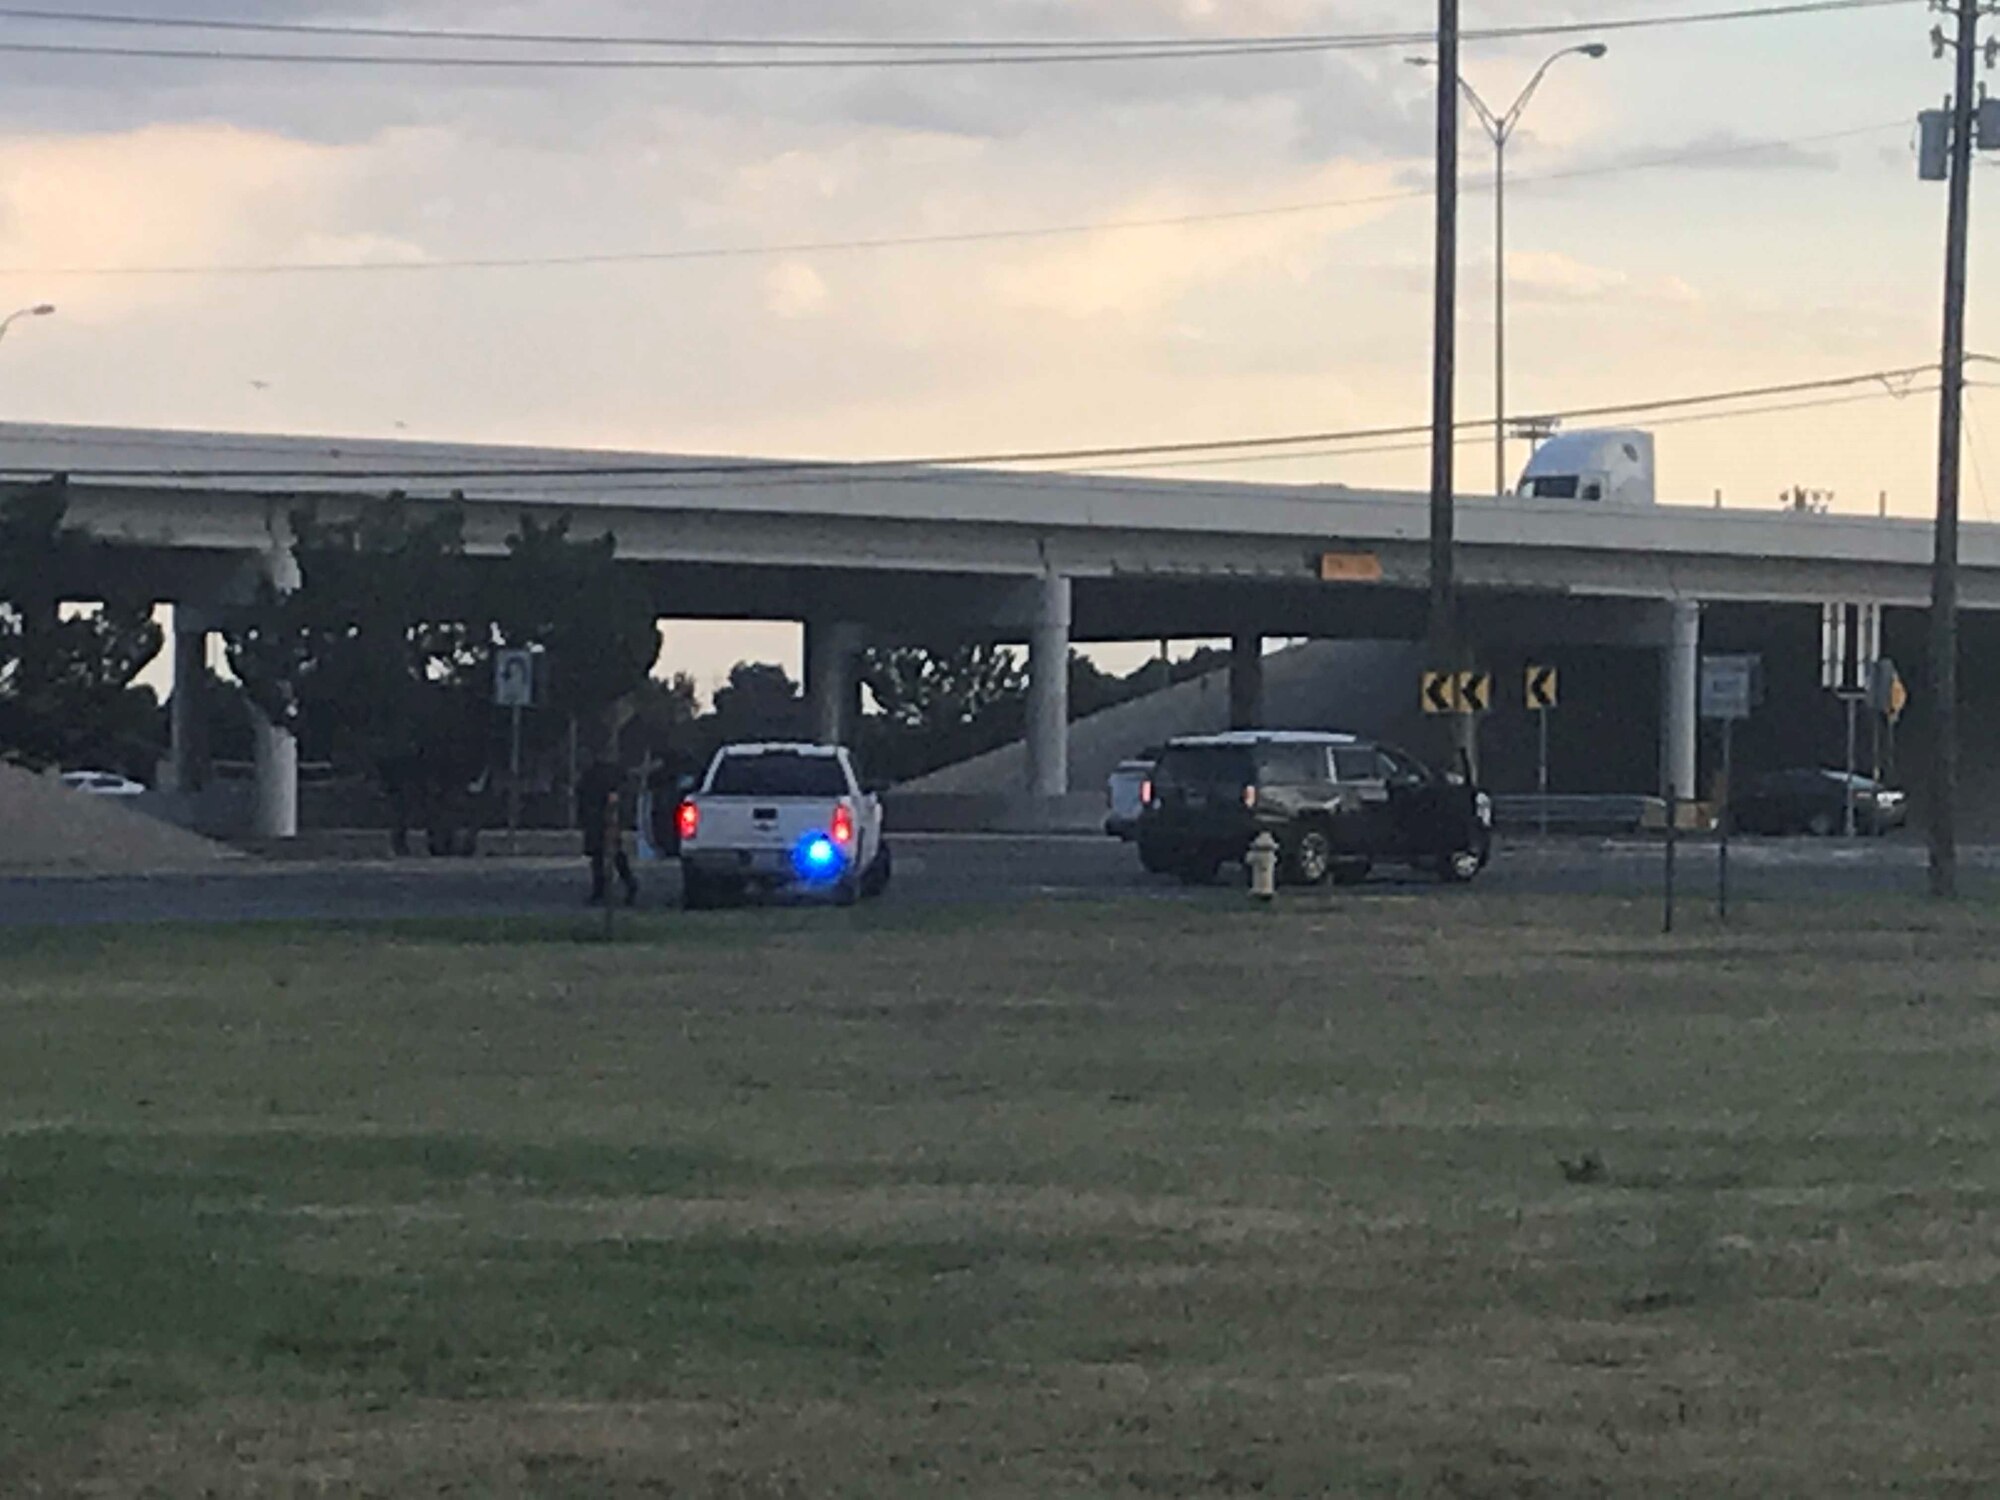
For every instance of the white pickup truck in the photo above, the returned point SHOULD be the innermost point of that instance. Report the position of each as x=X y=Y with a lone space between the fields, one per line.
x=780 y=817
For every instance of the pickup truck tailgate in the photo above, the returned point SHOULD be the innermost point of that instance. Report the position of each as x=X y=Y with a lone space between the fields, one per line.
x=760 y=824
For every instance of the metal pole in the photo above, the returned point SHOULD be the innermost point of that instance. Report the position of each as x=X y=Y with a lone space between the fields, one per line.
x=1951 y=413
x=1673 y=843
x=1847 y=814
x=1542 y=770
x=1445 y=644
x=1723 y=819
x=514 y=785
x=613 y=848
x=1499 y=315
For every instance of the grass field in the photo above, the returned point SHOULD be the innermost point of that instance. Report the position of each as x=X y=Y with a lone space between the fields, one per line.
x=1142 y=1199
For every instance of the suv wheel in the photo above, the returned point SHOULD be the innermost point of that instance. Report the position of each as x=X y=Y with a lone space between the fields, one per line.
x=1460 y=866
x=1198 y=871
x=1822 y=825
x=1153 y=859
x=1308 y=856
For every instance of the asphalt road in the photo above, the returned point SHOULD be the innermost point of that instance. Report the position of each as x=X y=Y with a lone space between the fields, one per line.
x=930 y=870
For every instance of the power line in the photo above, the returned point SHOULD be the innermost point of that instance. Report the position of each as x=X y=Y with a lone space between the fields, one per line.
x=946 y=54
x=1468 y=436
x=586 y=259
x=233 y=25
x=841 y=471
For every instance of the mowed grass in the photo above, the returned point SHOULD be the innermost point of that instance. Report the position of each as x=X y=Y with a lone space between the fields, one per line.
x=1066 y=1200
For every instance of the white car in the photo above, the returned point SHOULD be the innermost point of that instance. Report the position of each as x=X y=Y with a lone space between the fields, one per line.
x=102 y=784
x=780 y=817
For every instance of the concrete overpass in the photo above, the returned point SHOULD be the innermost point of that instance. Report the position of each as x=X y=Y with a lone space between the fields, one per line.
x=885 y=554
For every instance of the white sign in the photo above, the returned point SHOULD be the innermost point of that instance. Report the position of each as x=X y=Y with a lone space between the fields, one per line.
x=1728 y=686
x=514 y=679
x=1850 y=641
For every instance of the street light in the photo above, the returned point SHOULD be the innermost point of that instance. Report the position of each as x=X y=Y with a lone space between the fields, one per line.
x=40 y=310
x=1500 y=130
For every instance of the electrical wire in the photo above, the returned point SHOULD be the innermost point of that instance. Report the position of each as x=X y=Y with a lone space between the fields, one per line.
x=843 y=471
x=588 y=259
x=1469 y=436
x=940 y=54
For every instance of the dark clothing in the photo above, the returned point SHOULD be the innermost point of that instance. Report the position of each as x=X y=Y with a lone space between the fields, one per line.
x=616 y=859
x=596 y=791
x=597 y=809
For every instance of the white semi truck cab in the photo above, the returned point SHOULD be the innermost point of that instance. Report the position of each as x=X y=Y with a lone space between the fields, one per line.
x=1605 y=467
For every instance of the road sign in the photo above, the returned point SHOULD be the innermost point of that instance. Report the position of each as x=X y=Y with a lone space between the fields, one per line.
x=1440 y=692
x=514 y=679
x=1728 y=686
x=1543 y=683
x=1886 y=693
x=1475 y=692
x=1350 y=567
x=1850 y=640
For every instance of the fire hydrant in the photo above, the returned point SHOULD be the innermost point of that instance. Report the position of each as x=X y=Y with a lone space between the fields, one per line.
x=1262 y=863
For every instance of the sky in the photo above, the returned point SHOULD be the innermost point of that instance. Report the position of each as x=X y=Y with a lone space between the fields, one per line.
x=1628 y=280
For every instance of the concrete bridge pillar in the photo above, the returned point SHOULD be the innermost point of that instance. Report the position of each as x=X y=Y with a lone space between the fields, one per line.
x=832 y=683
x=275 y=812
x=1246 y=681
x=1048 y=688
x=1680 y=688
x=188 y=751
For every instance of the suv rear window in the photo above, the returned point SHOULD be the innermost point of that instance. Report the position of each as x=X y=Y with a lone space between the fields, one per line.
x=1205 y=766
x=1293 y=765
x=779 y=773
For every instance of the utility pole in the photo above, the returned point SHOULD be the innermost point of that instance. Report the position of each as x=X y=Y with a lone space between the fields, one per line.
x=1951 y=413
x=1445 y=642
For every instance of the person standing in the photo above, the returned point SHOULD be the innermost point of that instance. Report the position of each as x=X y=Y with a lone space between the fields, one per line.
x=597 y=809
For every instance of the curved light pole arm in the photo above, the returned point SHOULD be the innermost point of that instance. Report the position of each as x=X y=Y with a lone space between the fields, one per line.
x=1494 y=126
x=1504 y=126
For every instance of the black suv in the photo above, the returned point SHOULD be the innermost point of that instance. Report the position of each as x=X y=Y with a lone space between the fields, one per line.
x=1337 y=806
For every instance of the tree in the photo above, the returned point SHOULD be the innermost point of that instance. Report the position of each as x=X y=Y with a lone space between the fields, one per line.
x=66 y=676
x=760 y=701
x=594 y=618
x=664 y=712
x=940 y=705
x=379 y=655
x=383 y=654
x=937 y=690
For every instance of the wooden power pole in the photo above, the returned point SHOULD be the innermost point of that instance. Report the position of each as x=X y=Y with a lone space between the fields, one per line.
x=1445 y=640
x=1951 y=414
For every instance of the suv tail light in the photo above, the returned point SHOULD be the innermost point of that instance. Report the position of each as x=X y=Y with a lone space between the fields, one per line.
x=842 y=828
x=1146 y=793
x=687 y=819
x=1250 y=796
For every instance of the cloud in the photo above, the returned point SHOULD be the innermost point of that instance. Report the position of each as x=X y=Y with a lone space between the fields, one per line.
x=167 y=194
x=1140 y=273
x=794 y=290
x=1551 y=276
x=1720 y=151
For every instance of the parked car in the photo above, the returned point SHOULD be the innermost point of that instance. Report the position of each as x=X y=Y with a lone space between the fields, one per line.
x=1337 y=805
x=1126 y=792
x=781 y=817
x=102 y=784
x=1810 y=800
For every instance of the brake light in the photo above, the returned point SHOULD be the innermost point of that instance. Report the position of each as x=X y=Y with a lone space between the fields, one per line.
x=1146 y=793
x=687 y=818
x=1250 y=796
x=843 y=826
